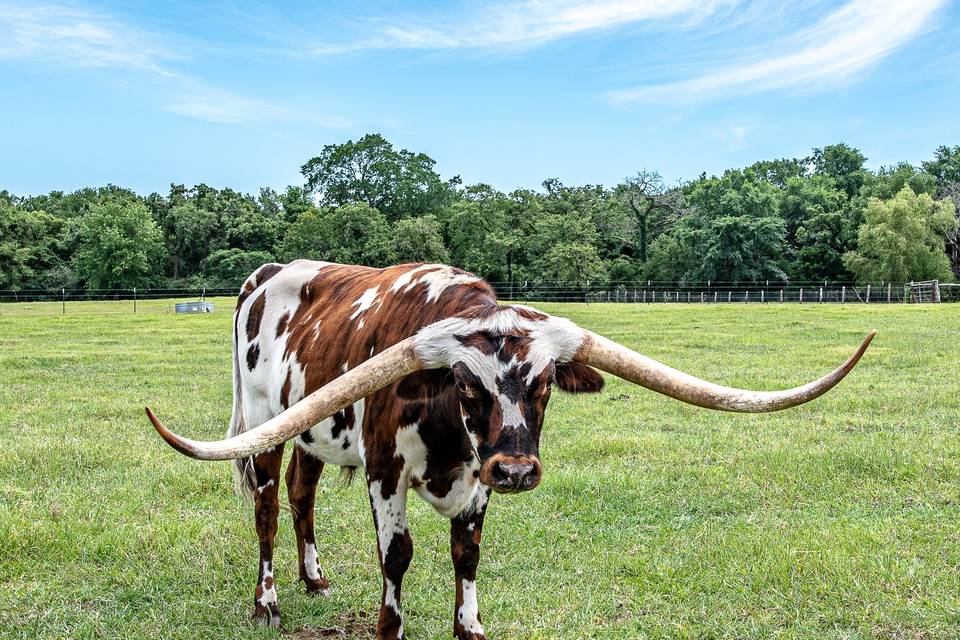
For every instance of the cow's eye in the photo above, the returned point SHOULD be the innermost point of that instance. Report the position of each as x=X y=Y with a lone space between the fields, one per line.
x=462 y=386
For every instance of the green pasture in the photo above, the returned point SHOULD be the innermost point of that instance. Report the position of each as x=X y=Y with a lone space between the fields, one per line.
x=839 y=519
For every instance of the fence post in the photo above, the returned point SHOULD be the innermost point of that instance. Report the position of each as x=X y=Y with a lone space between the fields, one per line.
x=134 y=299
x=821 y=295
x=781 y=295
x=843 y=293
x=801 y=295
x=868 y=294
x=746 y=296
x=761 y=295
x=644 y=295
x=729 y=296
x=701 y=297
x=714 y=296
x=889 y=291
x=63 y=301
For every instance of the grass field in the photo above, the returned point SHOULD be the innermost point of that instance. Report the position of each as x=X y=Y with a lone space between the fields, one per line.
x=839 y=519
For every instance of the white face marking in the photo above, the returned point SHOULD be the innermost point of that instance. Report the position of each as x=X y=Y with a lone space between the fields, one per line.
x=553 y=339
x=469 y=613
x=365 y=301
x=512 y=414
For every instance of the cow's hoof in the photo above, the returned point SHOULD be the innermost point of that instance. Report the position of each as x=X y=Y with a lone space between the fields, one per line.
x=317 y=588
x=268 y=616
x=463 y=634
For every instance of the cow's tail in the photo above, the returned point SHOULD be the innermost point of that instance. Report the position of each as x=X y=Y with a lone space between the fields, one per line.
x=244 y=478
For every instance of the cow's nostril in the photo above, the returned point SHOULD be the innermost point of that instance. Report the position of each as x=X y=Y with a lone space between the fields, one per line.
x=514 y=474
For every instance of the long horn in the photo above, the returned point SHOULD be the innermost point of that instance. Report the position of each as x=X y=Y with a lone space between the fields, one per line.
x=380 y=371
x=614 y=358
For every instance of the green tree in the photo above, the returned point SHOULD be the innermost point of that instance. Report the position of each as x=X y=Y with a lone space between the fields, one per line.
x=191 y=235
x=351 y=234
x=779 y=172
x=675 y=255
x=888 y=181
x=486 y=233
x=654 y=207
x=945 y=166
x=902 y=239
x=574 y=263
x=844 y=164
x=742 y=249
x=30 y=242
x=230 y=267
x=370 y=171
x=118 y=245
x=295 y=201
x=735 y=227
x=819 y=226
x=419 y=240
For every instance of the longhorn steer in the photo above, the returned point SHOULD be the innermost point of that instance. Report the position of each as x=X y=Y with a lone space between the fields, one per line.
x=415 y=374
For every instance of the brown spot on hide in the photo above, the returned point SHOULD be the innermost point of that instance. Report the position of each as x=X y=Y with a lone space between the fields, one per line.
x=285 y=390
x=267 y=271
x=282 y=323
x=255 y=316
x=253 y=354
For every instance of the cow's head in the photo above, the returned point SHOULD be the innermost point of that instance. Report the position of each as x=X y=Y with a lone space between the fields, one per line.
x=501 y=363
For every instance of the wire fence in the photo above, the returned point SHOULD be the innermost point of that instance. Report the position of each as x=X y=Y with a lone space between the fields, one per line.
x=153 y=299
x=731 y=292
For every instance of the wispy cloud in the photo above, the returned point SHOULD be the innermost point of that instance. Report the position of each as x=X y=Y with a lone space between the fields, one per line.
x=68 y=35
x=524 y=24
x=71 y=36
x=846 y=41
x=215 y=105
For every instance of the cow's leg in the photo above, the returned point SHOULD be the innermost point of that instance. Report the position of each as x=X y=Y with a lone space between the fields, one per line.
x=266 y=505
x=395 y=549
x=302 y=476
x=465 y=531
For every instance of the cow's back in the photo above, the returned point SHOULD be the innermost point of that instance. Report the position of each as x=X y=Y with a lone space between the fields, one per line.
x=300 y=325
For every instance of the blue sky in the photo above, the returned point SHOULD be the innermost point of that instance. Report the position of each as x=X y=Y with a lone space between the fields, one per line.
x=508 y=92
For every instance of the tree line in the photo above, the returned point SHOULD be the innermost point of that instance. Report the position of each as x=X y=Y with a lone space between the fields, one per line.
x=823 y=217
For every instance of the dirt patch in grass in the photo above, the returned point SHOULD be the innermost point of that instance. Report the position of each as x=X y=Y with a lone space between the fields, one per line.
x=349 y=625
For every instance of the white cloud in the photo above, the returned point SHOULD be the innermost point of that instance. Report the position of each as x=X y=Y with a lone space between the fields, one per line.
x=67 y=35
x=843 y=43
x=214 y=105
x=525 y=24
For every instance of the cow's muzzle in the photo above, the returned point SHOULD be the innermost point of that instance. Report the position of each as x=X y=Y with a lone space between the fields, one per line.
x=511 y=474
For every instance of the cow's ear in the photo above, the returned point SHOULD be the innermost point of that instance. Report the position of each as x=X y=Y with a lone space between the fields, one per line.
x=574 y=377
x=424 y=384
